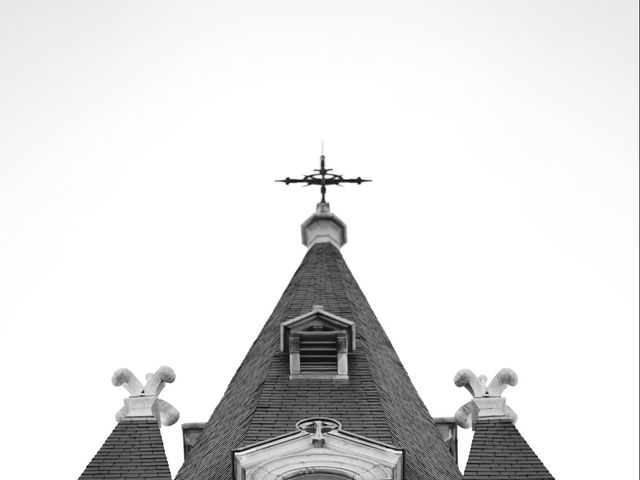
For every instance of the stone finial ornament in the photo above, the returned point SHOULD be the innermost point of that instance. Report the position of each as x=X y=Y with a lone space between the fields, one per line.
x=143 y=400
x=318 y=427
x=487 y=400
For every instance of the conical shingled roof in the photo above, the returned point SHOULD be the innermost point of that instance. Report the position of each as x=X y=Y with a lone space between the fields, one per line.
x=377 y=401
x=499 y=452
x=134 y=450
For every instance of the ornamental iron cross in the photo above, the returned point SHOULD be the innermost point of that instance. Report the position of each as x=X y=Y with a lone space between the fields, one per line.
x=322 y=176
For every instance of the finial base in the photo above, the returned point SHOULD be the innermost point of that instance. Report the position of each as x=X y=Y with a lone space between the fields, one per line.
x=140 y=406
x=324 y=227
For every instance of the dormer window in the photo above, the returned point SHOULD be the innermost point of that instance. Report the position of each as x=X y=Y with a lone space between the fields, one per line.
x=318 y=344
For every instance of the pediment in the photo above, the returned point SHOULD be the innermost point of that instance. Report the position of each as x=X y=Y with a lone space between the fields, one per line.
x=317 y=319
x=320 y=446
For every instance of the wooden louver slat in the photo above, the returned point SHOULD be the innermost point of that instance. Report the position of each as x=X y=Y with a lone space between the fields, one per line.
x=318 y=352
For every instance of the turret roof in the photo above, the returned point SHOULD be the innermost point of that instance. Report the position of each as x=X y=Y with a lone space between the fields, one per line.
x=377 y=401
x=134 y=450
x=499 y=452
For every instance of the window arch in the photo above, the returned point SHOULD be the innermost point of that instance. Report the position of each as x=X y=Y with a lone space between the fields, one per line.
x=319 y=476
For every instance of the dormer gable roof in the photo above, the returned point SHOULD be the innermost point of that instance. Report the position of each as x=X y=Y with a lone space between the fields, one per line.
x=315 y=319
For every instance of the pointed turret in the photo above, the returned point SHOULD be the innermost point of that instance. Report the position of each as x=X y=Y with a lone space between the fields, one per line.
x=322 y=387
x=135 y=449
x=498 y=450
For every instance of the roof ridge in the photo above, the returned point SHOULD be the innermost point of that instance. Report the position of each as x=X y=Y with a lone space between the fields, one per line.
x=396 y=434
x=368 y=365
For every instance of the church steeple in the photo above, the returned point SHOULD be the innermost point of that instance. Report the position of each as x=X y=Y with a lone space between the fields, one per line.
x=321 y=394
x=323 y=319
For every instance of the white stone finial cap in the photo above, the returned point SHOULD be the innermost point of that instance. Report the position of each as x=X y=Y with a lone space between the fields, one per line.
x=143 y=400
x=487 y=400
x=324 y=227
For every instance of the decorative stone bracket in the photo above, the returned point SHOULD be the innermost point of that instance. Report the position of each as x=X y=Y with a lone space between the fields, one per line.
x=143 y=400
x=487 y=400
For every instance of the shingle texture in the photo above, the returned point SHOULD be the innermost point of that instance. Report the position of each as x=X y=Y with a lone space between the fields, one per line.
x=134 y=450
x=498 y=452
x=378 y=401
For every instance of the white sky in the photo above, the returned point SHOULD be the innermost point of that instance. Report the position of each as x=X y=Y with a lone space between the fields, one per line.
x=140 y=225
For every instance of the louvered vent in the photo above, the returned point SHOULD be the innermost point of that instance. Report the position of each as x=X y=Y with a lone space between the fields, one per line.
x=318 y=344
x=318 y=352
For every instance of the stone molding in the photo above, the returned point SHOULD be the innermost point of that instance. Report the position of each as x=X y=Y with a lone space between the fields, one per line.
x=324 y=449
x=143 y=400
x=487 y=400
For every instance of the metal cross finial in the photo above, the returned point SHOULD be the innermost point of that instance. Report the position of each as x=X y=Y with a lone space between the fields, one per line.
x=322 y=176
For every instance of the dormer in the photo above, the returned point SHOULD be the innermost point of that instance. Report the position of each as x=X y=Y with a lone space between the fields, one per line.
x=318 y=344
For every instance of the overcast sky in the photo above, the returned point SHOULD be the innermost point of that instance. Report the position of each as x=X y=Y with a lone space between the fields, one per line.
x=140 y=224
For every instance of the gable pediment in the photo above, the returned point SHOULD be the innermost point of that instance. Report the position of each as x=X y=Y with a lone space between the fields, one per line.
x=317 y=320
x=320 y=446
